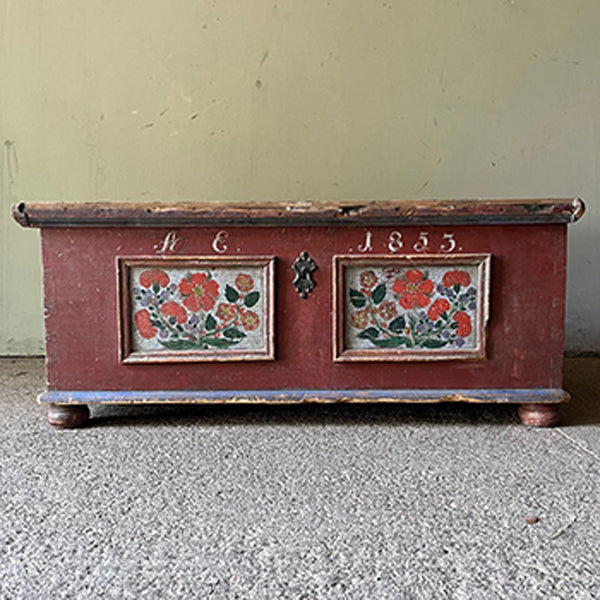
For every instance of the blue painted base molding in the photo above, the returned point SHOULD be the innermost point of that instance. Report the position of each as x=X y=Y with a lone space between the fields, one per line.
x=536 y=395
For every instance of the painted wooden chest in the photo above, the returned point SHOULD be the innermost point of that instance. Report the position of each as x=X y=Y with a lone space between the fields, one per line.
x=396 y=301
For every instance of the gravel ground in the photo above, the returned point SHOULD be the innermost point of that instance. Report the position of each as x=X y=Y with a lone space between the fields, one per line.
x=364 y=502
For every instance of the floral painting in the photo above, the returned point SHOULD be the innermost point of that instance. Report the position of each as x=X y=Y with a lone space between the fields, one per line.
x=421 y=308
x=197 y=309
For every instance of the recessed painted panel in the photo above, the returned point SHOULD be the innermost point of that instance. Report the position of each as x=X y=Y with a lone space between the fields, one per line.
x=196 y=309
x=410 y=307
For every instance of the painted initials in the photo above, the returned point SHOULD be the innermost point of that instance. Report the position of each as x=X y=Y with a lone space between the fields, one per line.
x=219 y=245
x=171 y=244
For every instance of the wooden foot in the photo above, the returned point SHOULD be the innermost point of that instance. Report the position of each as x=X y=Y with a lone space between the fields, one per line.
x=67 y=416
x=540 y=415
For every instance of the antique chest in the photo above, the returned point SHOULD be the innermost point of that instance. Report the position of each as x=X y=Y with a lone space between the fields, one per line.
x=396 y=301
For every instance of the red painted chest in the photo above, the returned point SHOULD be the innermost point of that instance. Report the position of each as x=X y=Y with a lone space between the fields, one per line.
x=380 y=301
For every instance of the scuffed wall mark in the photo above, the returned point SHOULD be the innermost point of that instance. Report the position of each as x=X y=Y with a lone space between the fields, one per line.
x=258 y=84
x=426 y=183
x=212 y=104
x=12 y=160
x=264 y=58
x=148 y=125
x=564 y=60
x=163 y=112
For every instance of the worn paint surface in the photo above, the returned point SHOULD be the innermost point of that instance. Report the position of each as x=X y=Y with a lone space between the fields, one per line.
x=525 y=326
x=552 y=396
x=148 y=99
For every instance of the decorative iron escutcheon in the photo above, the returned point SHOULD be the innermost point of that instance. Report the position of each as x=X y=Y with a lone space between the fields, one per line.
x=304 y=266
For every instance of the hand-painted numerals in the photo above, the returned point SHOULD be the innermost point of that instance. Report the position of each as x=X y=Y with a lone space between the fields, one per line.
x=396 y=242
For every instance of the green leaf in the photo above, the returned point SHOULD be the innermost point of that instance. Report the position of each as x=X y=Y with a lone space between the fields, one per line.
x=398 y=324
x=369 y=333
x=358 y=299
x=379 y=293
x=231 y=294
x=220 y=342
x=392 y=342
x=251 y=299
x=234 y=333
x=179 y=344
x=210 y=323
x=155 y=288
x=434 y=343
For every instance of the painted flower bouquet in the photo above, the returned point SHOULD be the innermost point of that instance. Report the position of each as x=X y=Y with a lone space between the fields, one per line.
x=407 y=309
x=197 y=312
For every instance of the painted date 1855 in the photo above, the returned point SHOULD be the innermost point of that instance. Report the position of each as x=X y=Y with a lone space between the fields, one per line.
x=396 y=242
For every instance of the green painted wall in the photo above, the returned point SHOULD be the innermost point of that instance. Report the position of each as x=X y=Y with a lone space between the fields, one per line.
x=306 y=99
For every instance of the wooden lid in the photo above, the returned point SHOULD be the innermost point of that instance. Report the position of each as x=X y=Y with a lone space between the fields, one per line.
x=369 y=212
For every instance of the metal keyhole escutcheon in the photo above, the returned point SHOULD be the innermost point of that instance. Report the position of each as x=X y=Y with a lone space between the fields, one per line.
x=304 y=266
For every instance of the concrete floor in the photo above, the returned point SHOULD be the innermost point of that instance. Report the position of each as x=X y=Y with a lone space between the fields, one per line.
x=446 y=501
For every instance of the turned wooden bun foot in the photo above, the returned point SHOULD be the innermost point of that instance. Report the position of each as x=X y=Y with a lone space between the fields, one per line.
x=540 y=415
x=67 y=416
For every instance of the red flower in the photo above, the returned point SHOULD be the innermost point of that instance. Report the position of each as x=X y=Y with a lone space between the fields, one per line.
x=226 y=312
x=149 y=278
x=360 y=318
x=250 y=320
x=244 y=282
x=413 y=289
x=199 y=291
x=144 y=324
x=172 y=309
x=441 y=305
x=368 y=279
x=452 y=277
x=464 y=324
x=387 y=310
